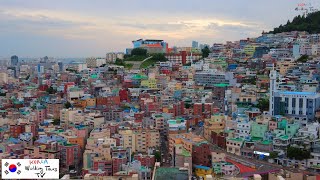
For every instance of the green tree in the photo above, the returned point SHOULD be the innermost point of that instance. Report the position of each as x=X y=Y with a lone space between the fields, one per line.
x=188 y=105
x=297 y=153
x=128 y=65
x=303 y=58
x=309 y=23
x=205 y=52
x=139 y=52
x=56 y=122
x=67 y=105
x=51 y=90
x=250 y=81
x=71 y=70
x=157 y=156
x=34 y=139
x=159 y=57
x=273 y=155
x=119 y=62
x=263 y=104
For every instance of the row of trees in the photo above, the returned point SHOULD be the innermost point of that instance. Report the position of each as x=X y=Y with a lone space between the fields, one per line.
x=310 y=23
x=139 y=52
x=297 y=153
x=143 y=52
x=293 y=153
x=51 y=90
x=304 y=58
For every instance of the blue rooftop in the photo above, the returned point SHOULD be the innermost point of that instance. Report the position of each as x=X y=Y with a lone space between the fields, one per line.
x=44 y=139
x=202 y=167
x=297 y=93
x=13 y=140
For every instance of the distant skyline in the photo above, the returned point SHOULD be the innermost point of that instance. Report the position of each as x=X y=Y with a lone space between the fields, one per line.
x=83 y=28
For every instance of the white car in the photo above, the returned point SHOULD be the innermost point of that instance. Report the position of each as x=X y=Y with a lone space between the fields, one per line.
x=73 y=171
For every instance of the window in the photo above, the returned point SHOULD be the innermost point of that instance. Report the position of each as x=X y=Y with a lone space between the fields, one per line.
x=293 y=102
x=300 y=103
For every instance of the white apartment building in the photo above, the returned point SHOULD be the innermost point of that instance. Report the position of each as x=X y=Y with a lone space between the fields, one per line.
x=3 y=78
x=95 y=62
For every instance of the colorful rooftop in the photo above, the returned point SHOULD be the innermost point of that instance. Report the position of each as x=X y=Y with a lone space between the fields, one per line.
x=236 y=139
x=266 y=142
x=139 y=76
x=202 y=167
x=168 y=173
x=298 y=93
x=221 y=85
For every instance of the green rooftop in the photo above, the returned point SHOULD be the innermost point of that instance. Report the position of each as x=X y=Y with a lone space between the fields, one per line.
x=284 y=137
x=31 y=87
x=221 y=85
x=17 y=102
x=256 y=139
x=94 y=76
x=228 y=131
x=139 y=76
x=68 y=144
x=225 y=162
x=75 y=89
x=167 y=173
x=176 y=121
x=236 y=139
x=58 y=131
x=185 y=153
x=266 y=142
x=25 y=112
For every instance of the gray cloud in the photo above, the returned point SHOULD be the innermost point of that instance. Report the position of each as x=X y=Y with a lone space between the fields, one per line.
x=158 y=27
x=98 y=26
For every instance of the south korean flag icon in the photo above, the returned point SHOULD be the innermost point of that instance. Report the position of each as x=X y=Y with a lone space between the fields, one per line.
x=12 y=168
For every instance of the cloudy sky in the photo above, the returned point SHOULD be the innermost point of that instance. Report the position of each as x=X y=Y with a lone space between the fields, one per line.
x=80 y=28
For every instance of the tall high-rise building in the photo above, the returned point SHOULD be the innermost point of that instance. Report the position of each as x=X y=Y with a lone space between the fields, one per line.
x=272 y=90
x=195 y=44
x=14 y=60
x=60 y=64
x=201 y=46
x=44 y=59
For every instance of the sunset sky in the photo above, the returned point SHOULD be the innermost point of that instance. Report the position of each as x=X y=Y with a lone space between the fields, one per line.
x=80 y=28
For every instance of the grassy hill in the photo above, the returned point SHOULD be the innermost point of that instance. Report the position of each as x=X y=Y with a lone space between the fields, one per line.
x=152 y=61
x=136 y=58
x=310 y=23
